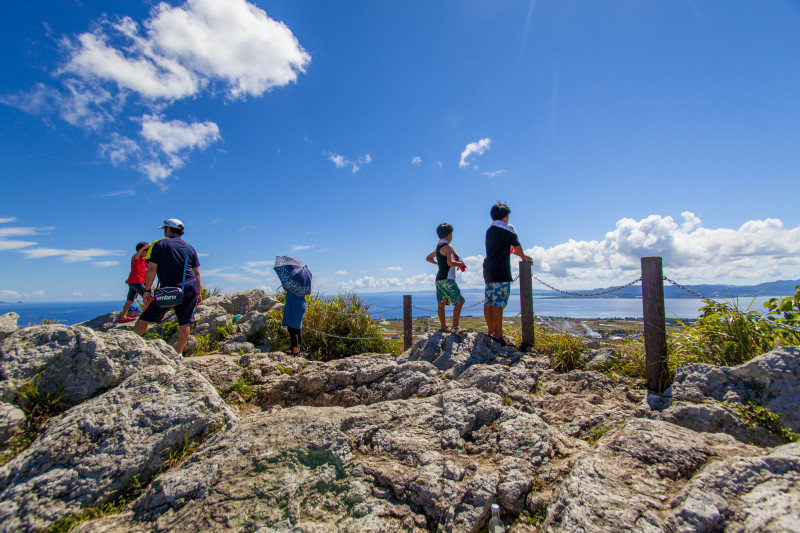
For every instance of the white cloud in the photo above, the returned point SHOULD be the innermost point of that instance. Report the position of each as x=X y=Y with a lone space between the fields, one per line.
x=438 y=164
x=247 y=227
x=372 y=284
x=474 y=149
x=5 y=220
x=15 y=245
x=76 y=293
x=301 y=247
x=6 y=293
x=342 y=162
x=757 y=251
x=127 y=68
x=123 y=192
x=69 y=256
x=105 y=264
x=38 y=294
x=341 y=272
x=395 y=268
x=495 y=173
x=416 y=160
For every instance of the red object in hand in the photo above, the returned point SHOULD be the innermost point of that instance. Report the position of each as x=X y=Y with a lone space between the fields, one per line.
x=512 y=248
x=463 y=267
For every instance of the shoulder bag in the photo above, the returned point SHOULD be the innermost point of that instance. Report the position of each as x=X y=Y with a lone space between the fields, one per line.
x=172 y=296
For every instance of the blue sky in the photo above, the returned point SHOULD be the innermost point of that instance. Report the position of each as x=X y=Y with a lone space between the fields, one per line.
x=344 y=132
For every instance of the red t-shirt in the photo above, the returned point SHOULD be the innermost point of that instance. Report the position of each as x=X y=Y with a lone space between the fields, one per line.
x=138 y=269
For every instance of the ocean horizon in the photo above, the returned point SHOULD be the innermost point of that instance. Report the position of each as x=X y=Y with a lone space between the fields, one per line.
x=389 y=305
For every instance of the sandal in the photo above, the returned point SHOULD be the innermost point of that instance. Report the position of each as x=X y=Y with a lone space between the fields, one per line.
x=444 y=330
x=458 y=330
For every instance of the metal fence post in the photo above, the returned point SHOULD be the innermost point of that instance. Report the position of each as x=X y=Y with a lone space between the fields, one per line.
x=655 y=324
x=406 y=322
x=526 y=303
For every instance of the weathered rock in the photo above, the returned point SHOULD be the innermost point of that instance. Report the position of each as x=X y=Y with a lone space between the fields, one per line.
x=107 y=322
x=221 y=370
x=75 y=361
x=237 y=344
x=454 y=353
x=8 y=324
x=208 y=318
x=771 y=379
x=241 y=303
x=253 y=325
x=742 y=494
x=628 y=480
x=11 y=419
x=394 y=466
x=600 y=359
x=85 y=455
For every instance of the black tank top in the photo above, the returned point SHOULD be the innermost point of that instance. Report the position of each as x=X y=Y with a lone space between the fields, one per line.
x=444 y=268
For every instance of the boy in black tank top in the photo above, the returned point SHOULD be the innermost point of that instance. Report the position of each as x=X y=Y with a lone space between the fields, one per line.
x=447 y=291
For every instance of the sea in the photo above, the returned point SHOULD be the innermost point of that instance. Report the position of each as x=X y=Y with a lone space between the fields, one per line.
x=390 y=305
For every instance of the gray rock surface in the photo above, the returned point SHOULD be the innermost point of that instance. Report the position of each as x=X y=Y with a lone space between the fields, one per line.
x=208 y=318
x=221 y=370
x=11 y=419
x=241 y=303
x=252 y=325
x=236 y=345
x=85 y=455
x=8 y=324
x=454 y=353
x=108 y=321
x=76 y=361
x=629 y=479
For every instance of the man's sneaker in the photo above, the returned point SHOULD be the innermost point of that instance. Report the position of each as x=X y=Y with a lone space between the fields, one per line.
x=125 y=320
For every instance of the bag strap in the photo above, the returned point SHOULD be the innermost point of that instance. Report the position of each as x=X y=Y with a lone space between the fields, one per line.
x=185 y=267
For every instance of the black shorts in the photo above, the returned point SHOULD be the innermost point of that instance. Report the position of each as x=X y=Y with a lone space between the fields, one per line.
x=133 y=290
x=183 y=311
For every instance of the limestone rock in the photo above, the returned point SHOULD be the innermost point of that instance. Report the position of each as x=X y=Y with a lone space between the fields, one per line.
x=436 y=462
x=456 y=353
x=241 y=303
x=743 y=494
x=107 y=322
x=94 y=449
x=600 y=359
x=11 y=419
x=252 y=325
x=76 y=361
x=237 y=344
x=208 y=318
x=8 y=324
x=628 y=480
x=221 y=370
x=771 y=379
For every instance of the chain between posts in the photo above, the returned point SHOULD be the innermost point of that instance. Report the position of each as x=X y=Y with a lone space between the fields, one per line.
x=339 y=337
x=602 y=293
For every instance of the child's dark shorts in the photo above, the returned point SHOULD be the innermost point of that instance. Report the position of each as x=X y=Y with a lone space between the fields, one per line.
x=184 y=312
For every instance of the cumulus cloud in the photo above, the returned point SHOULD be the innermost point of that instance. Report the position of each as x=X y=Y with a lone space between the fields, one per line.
x=122 y=67
x=341 y=272
x=474 y=149
x=416 y=160
x=372 y=284
x=342 y=162
x=395 y=268
x=757 y=251
x=7 y=293
x=6 y=220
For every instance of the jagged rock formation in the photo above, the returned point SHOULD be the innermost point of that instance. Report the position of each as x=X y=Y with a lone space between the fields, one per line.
x=421 y=442
x=8 y=324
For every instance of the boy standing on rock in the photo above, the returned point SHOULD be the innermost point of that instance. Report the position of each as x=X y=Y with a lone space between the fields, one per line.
x=501 y=240
x=447 y=291
x=135 y=280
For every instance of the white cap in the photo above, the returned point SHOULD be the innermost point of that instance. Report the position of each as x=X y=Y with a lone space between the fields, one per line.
x=495 y=508
x=172 y=223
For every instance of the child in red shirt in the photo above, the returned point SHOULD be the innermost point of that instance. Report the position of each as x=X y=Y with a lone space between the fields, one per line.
x=135 y=280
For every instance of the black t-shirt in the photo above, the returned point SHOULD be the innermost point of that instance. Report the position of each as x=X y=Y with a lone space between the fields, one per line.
x=497 y=265
x=170 y=256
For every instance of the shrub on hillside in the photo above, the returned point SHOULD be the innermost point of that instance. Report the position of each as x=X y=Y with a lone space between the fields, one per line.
x=327 y=319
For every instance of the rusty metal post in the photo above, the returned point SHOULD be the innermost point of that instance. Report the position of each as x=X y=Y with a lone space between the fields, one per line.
x=655 y=324
x=526 y=303
x=406 y=321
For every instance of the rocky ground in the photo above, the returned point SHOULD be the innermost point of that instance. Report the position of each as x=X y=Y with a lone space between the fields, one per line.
x=426 y=441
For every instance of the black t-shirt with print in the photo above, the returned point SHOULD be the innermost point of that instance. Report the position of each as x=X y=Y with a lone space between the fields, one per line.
x=170 y=256
x=497 y=265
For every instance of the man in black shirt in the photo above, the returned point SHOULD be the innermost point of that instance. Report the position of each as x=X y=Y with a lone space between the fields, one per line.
x=501 y=240
x=172 y=258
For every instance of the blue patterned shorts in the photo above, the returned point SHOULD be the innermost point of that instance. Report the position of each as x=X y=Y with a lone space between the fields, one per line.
x=497 y=294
